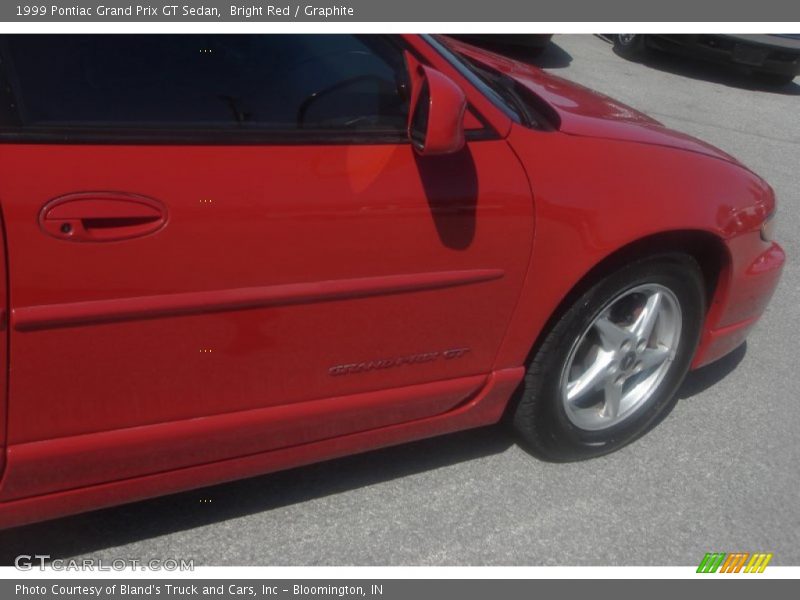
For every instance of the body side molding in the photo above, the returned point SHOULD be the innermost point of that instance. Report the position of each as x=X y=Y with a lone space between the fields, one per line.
x=49 y=316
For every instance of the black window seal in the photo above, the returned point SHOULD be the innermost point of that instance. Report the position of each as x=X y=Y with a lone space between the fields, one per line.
x=196 y=137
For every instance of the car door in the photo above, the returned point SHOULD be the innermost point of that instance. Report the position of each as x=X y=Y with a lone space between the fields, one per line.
x=222 y=245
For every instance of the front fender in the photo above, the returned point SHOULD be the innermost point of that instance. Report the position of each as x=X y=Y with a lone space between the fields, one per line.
x=596 y=196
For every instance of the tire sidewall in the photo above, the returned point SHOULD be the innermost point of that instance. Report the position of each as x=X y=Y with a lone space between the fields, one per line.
x=632 y=49
x=684 y=279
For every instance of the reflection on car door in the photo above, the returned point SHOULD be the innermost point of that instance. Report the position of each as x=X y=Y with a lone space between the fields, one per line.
x=305 y=283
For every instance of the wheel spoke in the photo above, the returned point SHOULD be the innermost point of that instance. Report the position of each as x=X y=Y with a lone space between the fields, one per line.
x=653 y=357
x=591 y=378
x=622 y=357
x=613 y=399
x=643 y=326
x=611 y=335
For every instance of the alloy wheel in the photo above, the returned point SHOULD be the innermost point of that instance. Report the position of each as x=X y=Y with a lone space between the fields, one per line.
x=620 y=360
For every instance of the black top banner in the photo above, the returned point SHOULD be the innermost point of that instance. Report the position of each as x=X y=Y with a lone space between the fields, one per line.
x=728 y=11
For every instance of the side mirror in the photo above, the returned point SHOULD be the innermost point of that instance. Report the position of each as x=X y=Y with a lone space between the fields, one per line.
x=436 y=117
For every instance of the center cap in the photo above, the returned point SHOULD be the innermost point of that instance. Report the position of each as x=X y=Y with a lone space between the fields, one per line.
x=627 y=361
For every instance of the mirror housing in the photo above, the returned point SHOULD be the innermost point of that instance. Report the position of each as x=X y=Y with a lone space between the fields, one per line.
x=436 y=115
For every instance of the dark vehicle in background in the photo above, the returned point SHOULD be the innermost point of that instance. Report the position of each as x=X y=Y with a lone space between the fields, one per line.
x=773 y=58
x=532 y=44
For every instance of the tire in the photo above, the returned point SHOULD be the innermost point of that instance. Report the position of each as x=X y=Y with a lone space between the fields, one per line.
x=558 y=427
x=774 y=79
x=630 y=46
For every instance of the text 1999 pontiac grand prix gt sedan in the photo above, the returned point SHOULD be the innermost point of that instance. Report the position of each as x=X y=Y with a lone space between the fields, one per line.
x=228 y=255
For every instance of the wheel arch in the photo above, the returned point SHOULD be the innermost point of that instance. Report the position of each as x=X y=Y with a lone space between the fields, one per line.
x=708 y=249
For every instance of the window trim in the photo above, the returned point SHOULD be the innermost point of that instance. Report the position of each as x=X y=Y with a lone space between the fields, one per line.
x=195 y=136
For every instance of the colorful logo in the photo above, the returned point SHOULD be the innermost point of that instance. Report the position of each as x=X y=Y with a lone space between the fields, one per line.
x=721 y=562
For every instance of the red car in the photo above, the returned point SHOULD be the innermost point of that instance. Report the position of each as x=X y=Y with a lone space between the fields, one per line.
x=226 y=255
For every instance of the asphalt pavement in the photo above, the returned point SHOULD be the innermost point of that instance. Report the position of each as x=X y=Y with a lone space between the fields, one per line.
x=721 y=473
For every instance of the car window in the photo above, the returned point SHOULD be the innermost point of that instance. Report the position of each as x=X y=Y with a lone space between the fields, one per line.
x=279 y=82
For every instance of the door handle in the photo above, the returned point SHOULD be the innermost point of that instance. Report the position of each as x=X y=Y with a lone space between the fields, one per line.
x=101 y=216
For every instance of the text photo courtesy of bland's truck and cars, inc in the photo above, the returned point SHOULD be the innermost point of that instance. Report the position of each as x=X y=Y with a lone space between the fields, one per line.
x=246 y=11
x=191 y=589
